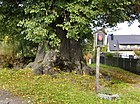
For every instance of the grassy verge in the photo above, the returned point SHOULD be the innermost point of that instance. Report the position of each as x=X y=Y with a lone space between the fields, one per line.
x=68 y=88
x=118 y=74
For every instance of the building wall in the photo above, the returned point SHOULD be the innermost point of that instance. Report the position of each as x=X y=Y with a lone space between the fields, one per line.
x=125 y=50
x=125 y=54
x=129 y=47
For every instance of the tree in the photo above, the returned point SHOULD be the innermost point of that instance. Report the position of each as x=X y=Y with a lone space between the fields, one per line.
x=11 y=12
x=60 y=26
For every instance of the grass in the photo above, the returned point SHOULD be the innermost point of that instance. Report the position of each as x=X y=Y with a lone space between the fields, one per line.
x=118 y=74
x=70 y=88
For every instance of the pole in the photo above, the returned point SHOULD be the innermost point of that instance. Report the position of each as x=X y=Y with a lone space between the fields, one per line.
x=94 y=46
x=97 y=69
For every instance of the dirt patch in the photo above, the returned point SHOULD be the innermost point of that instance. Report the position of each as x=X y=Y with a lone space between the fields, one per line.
x=136 y=86
x=8 y=98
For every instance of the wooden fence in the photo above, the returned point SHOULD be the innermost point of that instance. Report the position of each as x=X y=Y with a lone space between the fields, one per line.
x=132 y=65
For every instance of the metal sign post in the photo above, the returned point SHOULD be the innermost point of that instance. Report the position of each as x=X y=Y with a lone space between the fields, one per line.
x=97 y=69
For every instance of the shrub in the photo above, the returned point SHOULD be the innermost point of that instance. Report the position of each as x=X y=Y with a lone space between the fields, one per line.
x=109 y=54
x=6 y=53
x=137 y=52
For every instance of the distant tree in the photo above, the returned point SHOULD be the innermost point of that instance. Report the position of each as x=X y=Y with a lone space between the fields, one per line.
x=61 y=26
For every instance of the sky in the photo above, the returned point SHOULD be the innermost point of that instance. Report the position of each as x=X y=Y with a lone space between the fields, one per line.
x=124 y=29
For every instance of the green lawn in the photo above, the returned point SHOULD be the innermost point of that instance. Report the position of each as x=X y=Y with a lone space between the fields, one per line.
x=69 y=88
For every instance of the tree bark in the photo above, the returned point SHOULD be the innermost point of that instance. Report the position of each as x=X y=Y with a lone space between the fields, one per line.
x=69 y=57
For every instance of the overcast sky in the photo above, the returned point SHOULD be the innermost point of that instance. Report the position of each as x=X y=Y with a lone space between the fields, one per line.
x=124 y=29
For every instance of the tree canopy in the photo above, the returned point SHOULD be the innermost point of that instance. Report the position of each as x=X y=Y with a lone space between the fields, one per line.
x=61 y=25
x=38 y=20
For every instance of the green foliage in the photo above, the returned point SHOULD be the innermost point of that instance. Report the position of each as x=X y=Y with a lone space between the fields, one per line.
x=15 y=46
x=6 y=49
x=137 y=52
x=6 y=52
x=39 y=20
x=10 y=15
x=104 y=49
x=108 y=54
x=87 y=46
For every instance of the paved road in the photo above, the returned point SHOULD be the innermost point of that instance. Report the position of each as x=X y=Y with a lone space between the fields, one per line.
x=7 y=98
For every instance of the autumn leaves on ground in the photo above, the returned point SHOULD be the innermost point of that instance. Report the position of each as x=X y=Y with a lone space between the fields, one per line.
x=71 y=88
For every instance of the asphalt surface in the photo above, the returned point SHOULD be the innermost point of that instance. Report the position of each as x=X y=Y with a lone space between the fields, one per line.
x=7 y=98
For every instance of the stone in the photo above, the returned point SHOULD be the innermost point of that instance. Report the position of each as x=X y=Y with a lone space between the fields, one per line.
x=109 y=96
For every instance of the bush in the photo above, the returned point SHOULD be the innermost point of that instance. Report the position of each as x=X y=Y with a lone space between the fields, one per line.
x=137 y=52
x=108 y=55
x=6 y=55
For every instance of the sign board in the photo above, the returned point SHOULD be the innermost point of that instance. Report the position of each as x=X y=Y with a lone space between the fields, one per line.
x=100 y=38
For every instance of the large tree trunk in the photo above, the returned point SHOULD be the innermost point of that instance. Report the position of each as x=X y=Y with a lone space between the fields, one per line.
x=71 y=54
x=68 y=58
